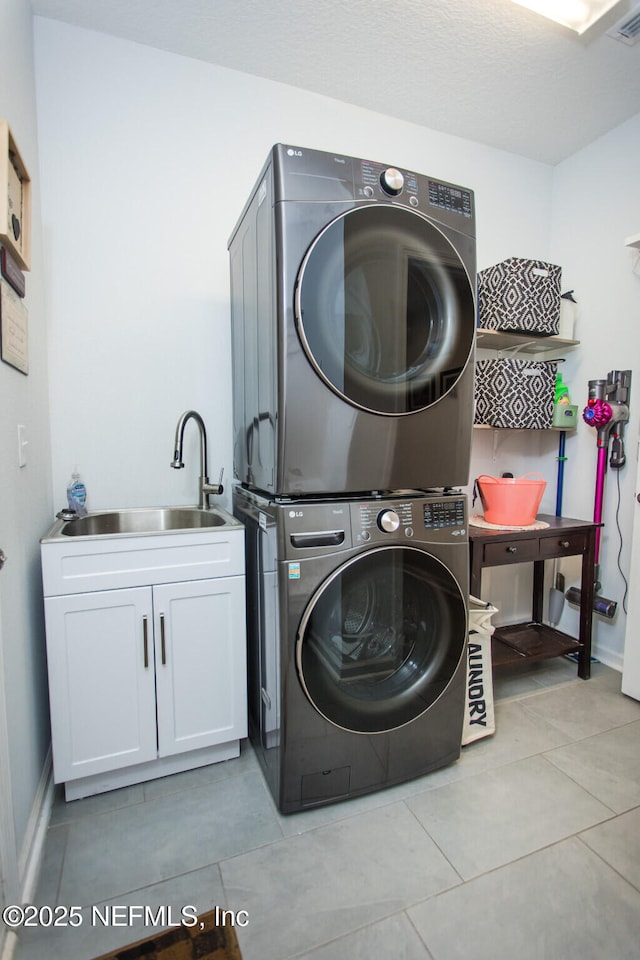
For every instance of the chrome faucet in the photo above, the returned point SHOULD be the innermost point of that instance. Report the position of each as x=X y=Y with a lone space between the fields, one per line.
x=205 y=487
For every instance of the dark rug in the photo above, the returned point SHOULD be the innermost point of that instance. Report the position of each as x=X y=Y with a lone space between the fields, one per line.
x=203 y=941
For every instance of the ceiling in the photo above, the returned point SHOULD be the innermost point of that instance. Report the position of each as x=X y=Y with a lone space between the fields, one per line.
x=486 y=70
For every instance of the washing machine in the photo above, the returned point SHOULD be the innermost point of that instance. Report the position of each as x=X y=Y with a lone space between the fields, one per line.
x=357 y=627
x=353 y=324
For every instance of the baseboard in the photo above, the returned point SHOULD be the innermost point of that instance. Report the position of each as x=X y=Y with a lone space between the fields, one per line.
x=610 y=658
x=32 y=850
x=9 y=946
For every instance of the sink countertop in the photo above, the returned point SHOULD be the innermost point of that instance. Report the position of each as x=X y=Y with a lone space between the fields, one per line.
x=145 y=515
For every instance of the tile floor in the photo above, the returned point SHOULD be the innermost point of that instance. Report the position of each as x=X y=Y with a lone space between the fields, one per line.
x=528 y=847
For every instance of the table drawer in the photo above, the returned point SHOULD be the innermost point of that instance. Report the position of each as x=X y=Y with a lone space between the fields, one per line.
x=515 y=551
x=561 y=545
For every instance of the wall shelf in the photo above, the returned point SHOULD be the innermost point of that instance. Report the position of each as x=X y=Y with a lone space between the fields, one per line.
x=507 y=340
x=502 y=340
x=489 y=426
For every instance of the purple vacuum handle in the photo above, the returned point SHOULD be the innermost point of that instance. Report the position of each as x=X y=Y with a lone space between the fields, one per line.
x=601 y=469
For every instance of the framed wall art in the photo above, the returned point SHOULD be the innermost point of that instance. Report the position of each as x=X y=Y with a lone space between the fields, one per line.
x=15 y=200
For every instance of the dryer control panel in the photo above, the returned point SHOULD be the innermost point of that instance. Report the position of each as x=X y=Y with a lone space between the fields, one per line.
x=301 y=174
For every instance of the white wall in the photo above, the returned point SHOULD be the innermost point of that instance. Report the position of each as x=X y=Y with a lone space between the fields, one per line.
x=147 y=161
x=596 y=206
x=25 y=503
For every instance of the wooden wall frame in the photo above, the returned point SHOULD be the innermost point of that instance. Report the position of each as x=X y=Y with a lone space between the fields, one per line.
x=15 y=200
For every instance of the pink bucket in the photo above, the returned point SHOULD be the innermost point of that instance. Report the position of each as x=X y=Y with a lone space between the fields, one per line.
x=509 y=501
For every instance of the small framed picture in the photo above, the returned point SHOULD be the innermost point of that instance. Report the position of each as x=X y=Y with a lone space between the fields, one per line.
x=15 y=200
x=14 y=329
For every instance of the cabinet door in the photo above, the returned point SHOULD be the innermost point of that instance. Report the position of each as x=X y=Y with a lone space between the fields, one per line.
x=200 y=663
x=101 y=683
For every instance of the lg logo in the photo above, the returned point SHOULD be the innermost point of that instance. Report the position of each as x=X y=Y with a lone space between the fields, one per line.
x=296 y=513
x=294 y=153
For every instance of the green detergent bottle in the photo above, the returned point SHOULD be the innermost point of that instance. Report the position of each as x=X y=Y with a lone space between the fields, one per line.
x=562 y=391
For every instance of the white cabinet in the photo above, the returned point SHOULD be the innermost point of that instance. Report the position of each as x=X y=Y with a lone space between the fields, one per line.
x=101 y=685
x=147 y=680
x=200 y=679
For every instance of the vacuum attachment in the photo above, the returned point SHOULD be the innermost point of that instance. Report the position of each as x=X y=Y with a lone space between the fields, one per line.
x=606 y=608
x=556 y=600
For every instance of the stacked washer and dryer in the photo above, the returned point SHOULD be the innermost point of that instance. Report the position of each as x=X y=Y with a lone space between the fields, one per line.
x=353 y=323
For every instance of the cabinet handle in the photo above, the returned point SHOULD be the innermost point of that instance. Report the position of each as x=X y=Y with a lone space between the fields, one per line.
x=163 y=643
x=145 y=641
x=512 y=549
x=565 y=544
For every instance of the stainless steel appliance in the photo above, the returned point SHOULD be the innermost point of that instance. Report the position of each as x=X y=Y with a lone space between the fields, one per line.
x=356 y=618
x=353 y=323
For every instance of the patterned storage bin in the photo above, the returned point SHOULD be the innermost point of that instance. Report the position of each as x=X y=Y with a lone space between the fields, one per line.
x=515 y=393
x=520 y=295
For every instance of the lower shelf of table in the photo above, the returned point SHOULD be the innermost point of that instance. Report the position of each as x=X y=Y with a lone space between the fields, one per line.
x=520 y=642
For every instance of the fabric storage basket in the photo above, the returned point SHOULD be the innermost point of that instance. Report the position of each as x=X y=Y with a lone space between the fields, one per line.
x=520 y=295
x=515 y=393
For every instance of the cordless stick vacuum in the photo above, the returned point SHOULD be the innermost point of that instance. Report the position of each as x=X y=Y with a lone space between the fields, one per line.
x=607 y=410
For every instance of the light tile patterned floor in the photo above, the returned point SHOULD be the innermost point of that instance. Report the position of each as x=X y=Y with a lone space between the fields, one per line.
x=527 y=847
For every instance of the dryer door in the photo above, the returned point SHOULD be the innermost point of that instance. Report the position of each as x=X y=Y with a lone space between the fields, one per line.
x=385 y=309
x=381 y=639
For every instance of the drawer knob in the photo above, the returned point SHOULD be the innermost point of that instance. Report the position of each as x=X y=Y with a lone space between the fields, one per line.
x=565 y=544
x=512 y=549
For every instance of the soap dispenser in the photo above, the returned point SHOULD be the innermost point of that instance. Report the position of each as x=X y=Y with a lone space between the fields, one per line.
x=77 y=494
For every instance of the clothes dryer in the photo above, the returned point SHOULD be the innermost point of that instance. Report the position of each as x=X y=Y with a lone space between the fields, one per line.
x=357 y=628
x=353 y=325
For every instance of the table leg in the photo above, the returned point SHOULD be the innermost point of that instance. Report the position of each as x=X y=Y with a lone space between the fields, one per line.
x=538 y=590
x=475 y=579
x=586 y=607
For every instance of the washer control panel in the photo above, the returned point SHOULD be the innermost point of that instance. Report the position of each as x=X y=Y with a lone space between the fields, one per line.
x=444 y=513
x=341 y=524
x=382 y=520
x=388 y=521
x=400 y=520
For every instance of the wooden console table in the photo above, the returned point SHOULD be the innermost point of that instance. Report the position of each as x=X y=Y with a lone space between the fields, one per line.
x=534 y=640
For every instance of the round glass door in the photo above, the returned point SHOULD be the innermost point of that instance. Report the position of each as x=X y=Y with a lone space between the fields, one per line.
x=385 y=310
x=381 y=639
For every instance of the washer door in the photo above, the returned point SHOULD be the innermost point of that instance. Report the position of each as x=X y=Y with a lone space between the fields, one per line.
x=381 y=639
x=385 y=310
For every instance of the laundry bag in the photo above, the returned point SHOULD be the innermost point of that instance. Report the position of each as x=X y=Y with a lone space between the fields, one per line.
x=479 y=715
x=515 y=393
x=520 y=295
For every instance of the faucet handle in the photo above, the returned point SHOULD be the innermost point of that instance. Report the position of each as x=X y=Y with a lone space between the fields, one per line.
x=218 y=488
x=215 y=488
